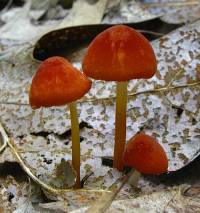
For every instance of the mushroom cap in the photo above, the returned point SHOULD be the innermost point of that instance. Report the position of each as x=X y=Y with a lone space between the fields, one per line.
x=119 y=53
x=56 y=83
x=146 y=155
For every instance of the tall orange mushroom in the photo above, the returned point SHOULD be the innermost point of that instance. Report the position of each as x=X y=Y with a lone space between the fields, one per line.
x=120 y=54
x=57 y=83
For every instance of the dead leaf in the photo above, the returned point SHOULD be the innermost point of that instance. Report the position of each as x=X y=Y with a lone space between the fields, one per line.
x=126 y=12
x=64 y=175
x=59 y=206
x=164 y=201
x=71 y=42
x=92 y=13
x=151 y=107
x=166 y=106
x=27 y=31
x=183 y=15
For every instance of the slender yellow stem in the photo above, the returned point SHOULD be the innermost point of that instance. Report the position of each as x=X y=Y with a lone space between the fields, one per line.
x=120 y=125
x=75 y=142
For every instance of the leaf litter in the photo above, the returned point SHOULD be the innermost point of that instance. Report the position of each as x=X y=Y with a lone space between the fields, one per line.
x=173 y=201
x=165 y=106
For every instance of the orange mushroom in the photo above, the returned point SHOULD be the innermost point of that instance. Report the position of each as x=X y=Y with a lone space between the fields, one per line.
x=146 y=155
x=120 y=54
x=56 y=83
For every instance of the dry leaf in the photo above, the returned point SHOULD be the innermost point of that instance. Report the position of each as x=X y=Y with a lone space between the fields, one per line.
x=166 y=7
x=125 y=12
x=92 y=13
x=27 y=31
x=166 y=106
x=165 y=201
x=169 y=111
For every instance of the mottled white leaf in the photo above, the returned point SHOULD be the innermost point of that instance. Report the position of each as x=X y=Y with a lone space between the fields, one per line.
x=166 y=106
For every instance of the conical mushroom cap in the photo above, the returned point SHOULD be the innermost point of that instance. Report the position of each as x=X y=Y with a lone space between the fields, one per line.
x=56 y=83
x=147 y=156
x=119 y=53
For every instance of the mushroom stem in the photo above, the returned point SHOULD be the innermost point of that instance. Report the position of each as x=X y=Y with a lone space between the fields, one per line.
x=120 y=125
x=75 y=142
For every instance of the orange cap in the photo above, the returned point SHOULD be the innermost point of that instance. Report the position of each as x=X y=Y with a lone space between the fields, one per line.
x=146 y=155
x=119 y=53
x=56 y=83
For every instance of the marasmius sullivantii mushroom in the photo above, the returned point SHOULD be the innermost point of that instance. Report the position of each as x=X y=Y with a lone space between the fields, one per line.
x=120 y=54
x=146 y=155
x=57 y=83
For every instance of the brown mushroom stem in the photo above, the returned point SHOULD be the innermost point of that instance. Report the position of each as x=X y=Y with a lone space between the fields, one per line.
x=75 y=142
x=120 y=125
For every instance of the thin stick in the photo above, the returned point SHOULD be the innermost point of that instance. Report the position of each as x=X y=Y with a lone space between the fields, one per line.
x=3 y=136
x=45 y=186
x=120 y=125
x=75 y=142
x=28 y=171
x=170 y=3
x=102 y=204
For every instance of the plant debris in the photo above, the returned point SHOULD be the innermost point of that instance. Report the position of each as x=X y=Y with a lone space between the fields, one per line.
x=39 y=143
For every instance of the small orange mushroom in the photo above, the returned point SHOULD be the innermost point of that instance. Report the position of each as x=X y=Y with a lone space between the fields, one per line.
x=57 y=83
x=146 y=155
x=120 y=54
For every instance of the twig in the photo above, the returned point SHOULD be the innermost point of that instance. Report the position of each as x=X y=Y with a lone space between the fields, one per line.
x=6 y=7
x=28 y=200
x=106 y=200
x=4 y=138
x=32 y=176
x=170 y=200
x=102 y=204
x=170 y=4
